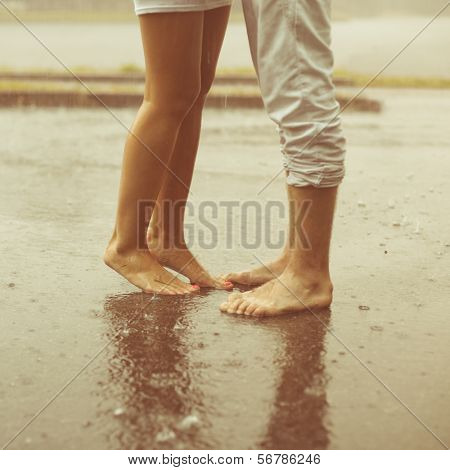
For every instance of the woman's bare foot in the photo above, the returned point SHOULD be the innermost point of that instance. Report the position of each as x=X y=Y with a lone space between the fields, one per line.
x=181 y=260
x=290 y=293
x=143 y=270
x=260 y=275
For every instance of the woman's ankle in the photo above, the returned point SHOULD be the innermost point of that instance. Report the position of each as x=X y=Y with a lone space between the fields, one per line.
x=159 y=240
x=121 y=247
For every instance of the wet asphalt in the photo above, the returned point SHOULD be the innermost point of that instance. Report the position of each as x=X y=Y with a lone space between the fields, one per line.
x=97 y=365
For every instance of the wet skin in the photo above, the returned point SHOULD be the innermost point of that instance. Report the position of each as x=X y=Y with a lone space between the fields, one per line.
x=304 y=284
x=181 y=51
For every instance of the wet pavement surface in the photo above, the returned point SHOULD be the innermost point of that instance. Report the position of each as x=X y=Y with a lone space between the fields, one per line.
x=173 y=373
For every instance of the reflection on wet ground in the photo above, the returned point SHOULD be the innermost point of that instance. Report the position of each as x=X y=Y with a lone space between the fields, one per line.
x=162 y=362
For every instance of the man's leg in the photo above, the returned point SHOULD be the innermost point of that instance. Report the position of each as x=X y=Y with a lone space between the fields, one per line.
x=305 y=282
x=290 y=43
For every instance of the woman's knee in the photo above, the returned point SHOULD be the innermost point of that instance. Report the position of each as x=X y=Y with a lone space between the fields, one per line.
x=206 y=83
x=177 y=103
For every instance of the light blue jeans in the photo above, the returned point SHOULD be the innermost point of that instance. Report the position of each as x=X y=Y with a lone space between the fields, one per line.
x=290 y=45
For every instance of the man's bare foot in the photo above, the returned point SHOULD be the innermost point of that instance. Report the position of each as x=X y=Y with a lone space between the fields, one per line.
x=181 y=260
x=260 y=275
x=143 y=270
x=290 y=293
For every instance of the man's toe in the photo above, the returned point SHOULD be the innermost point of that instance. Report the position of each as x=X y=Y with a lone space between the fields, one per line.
x=250 y=308
x=242 y=307
x=233 y=297
x=233 y=306
x=260 y=311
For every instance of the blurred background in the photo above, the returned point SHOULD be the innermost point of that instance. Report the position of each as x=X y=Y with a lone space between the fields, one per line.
x=102 y=34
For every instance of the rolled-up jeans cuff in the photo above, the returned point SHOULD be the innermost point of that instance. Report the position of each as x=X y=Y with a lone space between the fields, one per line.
x=322 y=176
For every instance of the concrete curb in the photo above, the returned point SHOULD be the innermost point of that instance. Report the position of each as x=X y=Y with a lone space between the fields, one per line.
x=135 y=77
x=73 y=99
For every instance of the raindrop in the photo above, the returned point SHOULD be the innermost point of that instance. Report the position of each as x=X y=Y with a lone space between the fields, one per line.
x=364 y=307
x=119 y=411
x=188 y=423
x=361 y=204
x=376 y=328
x=179 y=326
x=313 y=391
x=164 y=436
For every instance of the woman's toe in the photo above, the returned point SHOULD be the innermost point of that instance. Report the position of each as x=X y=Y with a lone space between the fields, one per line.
x=168 y=291
x=222 y=284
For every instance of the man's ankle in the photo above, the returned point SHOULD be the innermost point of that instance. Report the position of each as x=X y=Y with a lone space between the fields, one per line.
x=314 y=272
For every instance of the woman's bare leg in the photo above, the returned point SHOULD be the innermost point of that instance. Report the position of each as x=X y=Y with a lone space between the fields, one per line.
x=173 y=48
x=166 y=235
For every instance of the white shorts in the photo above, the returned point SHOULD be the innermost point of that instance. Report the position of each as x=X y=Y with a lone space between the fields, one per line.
x=143 y=7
